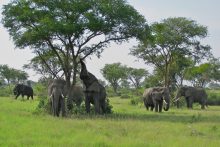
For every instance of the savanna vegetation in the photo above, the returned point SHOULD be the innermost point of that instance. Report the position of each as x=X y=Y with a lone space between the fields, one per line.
x=62 y=33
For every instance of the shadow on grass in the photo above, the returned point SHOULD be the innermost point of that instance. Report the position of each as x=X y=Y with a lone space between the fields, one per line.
x=162 y=117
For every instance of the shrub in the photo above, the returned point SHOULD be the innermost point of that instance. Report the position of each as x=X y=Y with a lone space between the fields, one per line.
x=213 y=98
x=135 y=101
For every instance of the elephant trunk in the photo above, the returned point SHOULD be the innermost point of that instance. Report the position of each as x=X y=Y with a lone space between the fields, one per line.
x=84 y=71
x=167 y=106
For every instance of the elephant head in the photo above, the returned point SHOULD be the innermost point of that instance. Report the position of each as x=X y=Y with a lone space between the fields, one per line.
x=57 y=92
x=182 y=91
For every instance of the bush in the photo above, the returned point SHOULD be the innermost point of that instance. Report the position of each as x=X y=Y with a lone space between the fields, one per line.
x=135 y=101
x=6 y=91
x=82 y=109
x=213 y=99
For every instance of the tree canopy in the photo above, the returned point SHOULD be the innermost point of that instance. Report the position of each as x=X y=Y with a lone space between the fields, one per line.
x=70 y=29
x=170 y=37
x=114 y=74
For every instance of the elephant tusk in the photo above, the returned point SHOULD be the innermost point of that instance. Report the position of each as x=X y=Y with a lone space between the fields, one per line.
x=51 y=95
x=176 y=100
x=165 y=102
x=62 y=95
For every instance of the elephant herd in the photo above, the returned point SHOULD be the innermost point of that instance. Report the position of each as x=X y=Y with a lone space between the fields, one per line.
x=156 y=96
x=94 y=93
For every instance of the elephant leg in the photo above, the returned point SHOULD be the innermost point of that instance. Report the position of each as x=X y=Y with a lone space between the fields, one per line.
x=160 y=106
x=152 y=108
x=53 y=107
x=203 y=102
x=190 y=102
x=187 y=102
x=147 y=107
x=17 y=96
x=63 y=107
x=97 y=103
x=156 y=107
x=32 y=97
x=103 y=106
x=87 y=103
x=56 y=108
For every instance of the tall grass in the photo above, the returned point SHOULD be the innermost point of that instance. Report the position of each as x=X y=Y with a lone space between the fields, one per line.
x=129 y=125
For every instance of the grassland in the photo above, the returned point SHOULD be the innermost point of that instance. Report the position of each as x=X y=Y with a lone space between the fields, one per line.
x=129 y=125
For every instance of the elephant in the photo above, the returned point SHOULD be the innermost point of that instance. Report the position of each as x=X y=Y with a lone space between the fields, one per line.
x=57 y=92
x=22 y=90
x=76 y=96
x=95 y=93
x=155 y=97
x=192 y=95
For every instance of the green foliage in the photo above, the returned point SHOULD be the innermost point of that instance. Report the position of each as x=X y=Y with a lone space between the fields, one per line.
x=136 y=101
x=199 y=75
x=213 y=97
x=170 y=37
x=114 y=73
x=6 y=91
x=136 y=75
x=12 y=75
x=60 y=32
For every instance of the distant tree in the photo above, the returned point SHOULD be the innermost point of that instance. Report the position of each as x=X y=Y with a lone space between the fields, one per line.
x=70 y=29
x=179 y=68
x=114 y=74
x=204 y=73
x=170 y=37
x=12 y=75
x=136 y=76
x=215 y=66
x=200 y=75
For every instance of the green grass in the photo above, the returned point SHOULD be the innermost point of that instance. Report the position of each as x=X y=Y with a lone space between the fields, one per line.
x=128 y=126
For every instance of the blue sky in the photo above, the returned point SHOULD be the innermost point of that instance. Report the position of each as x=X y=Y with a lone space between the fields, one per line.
x=205 y=12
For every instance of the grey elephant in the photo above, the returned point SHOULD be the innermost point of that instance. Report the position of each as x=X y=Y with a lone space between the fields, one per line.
x=76 y=96
x=95 y=93
x=192 y=95
x=155 y=97
x=57 y=92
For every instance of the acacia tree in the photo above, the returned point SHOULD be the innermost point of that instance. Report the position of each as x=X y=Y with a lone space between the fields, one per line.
x=70 y=29
x=179 y=68
x=170 y=37
x=136 y=75
x=114 y=74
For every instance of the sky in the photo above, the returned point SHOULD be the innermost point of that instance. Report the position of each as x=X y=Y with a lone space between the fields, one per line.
x=204 y=12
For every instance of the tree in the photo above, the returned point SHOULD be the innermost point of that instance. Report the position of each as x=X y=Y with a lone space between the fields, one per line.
x=70 y=29
x=170 y=37
x=114 y=74
x=136 y=75
x=204 y=73
x=179 y=68
x=12 y=75
x=199 y=75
